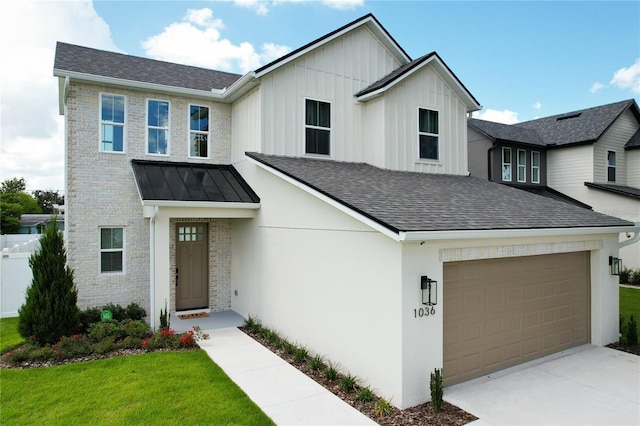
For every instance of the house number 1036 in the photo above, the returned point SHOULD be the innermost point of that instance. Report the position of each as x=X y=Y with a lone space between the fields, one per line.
x=424 y=312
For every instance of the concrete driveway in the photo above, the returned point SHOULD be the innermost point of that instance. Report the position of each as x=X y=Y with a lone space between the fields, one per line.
x=587 y=385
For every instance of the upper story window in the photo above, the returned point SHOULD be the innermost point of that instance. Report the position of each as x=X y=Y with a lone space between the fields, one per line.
x=506 y=164
x=317 y=127
x=522 y=165
x=157 y=127
x=428 y=135
x=111 y=250
x=611 y=166
x=198 y=131
x=535 y=167
x=112 y=123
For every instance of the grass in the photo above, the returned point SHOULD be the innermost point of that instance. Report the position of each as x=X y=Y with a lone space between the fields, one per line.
x=630 y=303
x=153 y=388
x=9 y=333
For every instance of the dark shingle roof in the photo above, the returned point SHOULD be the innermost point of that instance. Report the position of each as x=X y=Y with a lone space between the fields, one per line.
x=545 y=191
x=582 y=126
x=168 y=181
x=507 y=133
x=407 y=201
x=85 y=60
x=616 y=189
x=634 y=142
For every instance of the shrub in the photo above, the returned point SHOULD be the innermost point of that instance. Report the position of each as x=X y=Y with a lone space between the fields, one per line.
x=76 y=346
x=316 y=363
x=634 y=279
x=101 y=330
x=365 y=394
x=625 y=275
x=331 y=372
x=132 y=312
x=348 y=382
x=632 y=332
x=288 y=347
x=165 y=318
x=437 y=392
x=301 y=354
x=382 y=407
x=50 y=310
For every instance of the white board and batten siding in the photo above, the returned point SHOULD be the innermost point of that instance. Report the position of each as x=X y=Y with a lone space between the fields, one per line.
x=633 y=168
x=246 y=126
x=425 y=89
x=332 y=73
x=614 y=140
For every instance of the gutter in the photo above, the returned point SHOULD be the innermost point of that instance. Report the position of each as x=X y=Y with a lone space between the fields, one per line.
x=632 y=240
x=202 y=204
x=412 y=236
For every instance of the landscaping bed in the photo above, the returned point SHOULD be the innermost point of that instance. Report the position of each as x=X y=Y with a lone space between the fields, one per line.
x=361 y=398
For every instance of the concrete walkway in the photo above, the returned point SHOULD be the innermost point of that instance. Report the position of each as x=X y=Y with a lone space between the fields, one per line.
x=284 y=393
x=587 y=385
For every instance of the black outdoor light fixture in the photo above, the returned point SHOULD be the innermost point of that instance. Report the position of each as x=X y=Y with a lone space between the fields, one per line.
x=615 y=265
x=429 y=289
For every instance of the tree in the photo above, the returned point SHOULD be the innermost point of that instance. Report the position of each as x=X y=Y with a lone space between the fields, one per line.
x=46 y=199
x=50 y=310
x=14 y=202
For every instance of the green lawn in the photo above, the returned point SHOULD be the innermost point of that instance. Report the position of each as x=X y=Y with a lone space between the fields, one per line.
x=630 y=303
x=169 y=388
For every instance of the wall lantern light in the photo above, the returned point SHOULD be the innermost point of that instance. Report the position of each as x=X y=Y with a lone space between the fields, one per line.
x=615 y=265
x=429 y=289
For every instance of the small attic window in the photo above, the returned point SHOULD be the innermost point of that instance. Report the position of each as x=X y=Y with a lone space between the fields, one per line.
x=568 y=116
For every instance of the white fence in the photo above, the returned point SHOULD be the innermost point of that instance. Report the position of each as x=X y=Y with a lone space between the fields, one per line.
x=15 y=276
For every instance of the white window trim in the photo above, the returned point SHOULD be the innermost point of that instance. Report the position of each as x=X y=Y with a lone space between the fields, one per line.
x=123 y=250
x=505 y=149
x=521 y=166
x=438 y=135
x=534 y=167
x=124 y=125
x=147 y=127
x=305 y=125
x=614 y=166
x=189 y=131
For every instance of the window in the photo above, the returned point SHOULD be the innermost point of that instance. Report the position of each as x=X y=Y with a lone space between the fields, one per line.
x=157 y=127
x=611 y=166
x=111 y=123
x=506 y=164
x=111 y=250
x=198 y=131
x=535 y=167
x=522 y=165
x=317 y=127
x=428 y=134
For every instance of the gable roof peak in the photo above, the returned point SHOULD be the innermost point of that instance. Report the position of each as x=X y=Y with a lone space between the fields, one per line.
x=368 y=20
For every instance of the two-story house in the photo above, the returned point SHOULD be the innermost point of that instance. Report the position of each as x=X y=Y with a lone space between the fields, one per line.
x=589 y=157
x=327 y=194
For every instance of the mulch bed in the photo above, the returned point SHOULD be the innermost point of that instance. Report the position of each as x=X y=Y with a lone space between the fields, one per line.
x=422 y=414
x=625 y=348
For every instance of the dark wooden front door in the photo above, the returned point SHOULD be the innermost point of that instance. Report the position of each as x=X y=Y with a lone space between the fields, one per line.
x=192 y=266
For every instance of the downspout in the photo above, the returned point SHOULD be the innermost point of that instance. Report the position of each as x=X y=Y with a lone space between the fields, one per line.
x=633 y=240
x=152 y=267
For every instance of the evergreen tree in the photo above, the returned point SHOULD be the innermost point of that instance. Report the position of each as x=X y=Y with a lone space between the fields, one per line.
x=50 y=310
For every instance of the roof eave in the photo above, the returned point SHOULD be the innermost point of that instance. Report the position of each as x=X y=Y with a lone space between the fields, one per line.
x=218 y=94
x=414 y=236
x=201 y=204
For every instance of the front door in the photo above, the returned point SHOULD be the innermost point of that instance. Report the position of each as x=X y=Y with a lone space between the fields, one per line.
x=192 y=266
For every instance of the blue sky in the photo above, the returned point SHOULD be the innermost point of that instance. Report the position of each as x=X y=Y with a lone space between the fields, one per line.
x=520 y=59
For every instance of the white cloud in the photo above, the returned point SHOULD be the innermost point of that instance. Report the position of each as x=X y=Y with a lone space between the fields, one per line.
x=31 y=131
x=628 y=78
x=596 y=86
x=197 y=41
x=537 y=105
x=260 y=7
x=504 y=116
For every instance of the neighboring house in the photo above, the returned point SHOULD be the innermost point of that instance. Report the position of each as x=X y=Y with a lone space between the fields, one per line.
x=321 y=193
x=589 y=157
x=36 y=223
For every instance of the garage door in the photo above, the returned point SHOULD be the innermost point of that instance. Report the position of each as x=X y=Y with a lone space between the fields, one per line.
x=503 y=312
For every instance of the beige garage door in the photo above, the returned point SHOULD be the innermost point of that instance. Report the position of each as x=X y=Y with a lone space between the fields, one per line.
x=503 y=312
